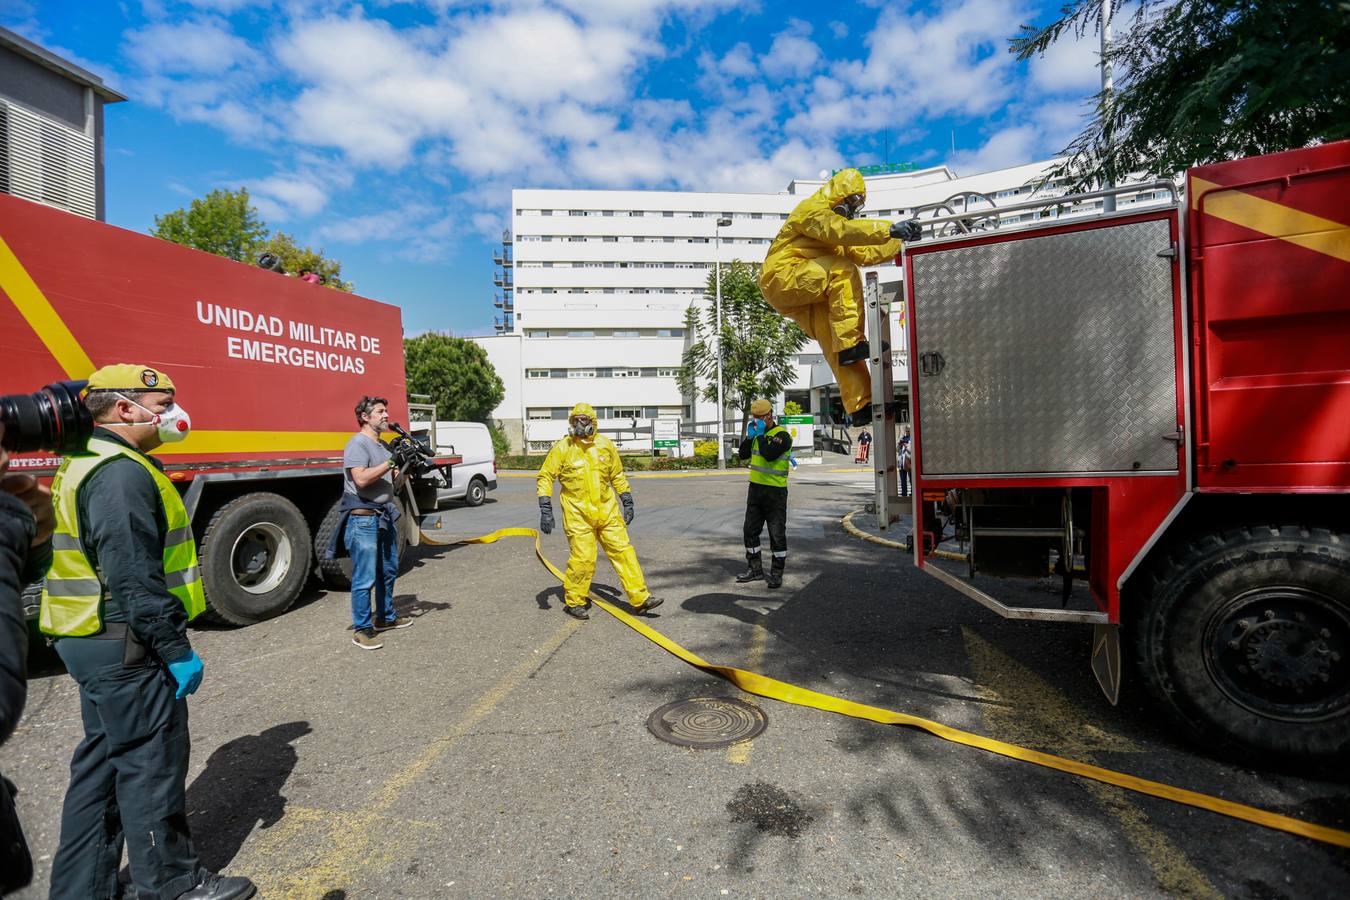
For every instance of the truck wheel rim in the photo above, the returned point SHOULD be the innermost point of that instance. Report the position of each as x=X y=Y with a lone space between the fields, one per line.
x=261 y=558
x=1282 y=652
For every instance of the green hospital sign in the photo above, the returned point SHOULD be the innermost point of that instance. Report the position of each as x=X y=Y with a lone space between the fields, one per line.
x=882 y=169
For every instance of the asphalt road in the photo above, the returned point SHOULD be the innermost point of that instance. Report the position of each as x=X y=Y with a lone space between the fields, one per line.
x=499 y=748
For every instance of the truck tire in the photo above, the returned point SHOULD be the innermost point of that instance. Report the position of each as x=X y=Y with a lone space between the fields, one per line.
x=476 y=492
x=334 y=574
x=1245 y=642
x=255 y=558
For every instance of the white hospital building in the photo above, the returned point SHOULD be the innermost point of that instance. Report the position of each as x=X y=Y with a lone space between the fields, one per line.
x=592 y=287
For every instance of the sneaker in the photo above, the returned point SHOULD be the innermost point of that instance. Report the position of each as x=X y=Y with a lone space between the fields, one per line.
x=651 y=604
x=578 y=612
x=400 y=622
x=366 y=639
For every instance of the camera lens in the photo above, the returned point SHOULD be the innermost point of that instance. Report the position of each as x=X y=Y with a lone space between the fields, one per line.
x=52 y=419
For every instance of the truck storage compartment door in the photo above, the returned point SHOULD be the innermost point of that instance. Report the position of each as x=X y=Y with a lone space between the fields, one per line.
x=1050 y=353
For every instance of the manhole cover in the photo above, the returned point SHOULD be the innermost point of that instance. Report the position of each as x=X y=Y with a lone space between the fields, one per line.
x=706 y=723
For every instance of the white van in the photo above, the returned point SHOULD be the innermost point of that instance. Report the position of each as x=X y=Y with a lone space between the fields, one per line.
x=477 y=474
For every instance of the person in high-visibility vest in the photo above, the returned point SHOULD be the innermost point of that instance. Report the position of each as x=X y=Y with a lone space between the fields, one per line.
x=768 y=448
x=810 y=275
x=122 y=586
x=594 y=489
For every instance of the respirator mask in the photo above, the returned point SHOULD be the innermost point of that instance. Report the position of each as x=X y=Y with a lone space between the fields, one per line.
x=850 y=206
x=581 y=427
x=173 y=424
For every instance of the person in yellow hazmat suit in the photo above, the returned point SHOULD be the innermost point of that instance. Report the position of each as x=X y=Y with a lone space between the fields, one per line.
x=811 y=276
x=591 y=473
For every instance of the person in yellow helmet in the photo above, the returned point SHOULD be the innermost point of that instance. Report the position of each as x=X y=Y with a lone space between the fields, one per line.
x=811 y=276
x=591 y=473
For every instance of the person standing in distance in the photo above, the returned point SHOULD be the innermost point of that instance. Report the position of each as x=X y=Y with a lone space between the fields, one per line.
x=591 y=473
x=767 y=447
x=368 y=529
x=122 y=587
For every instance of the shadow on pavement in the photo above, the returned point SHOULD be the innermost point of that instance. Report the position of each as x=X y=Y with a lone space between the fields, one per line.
x=241 y=788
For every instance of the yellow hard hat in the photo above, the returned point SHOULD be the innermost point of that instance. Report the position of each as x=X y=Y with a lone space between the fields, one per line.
x=129 y=377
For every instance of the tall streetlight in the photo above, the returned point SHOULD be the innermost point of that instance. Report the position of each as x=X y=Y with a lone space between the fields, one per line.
x=1108 y=203
x=722 y=222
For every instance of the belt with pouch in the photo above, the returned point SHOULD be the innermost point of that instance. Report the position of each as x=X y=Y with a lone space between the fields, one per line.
x=134 y=652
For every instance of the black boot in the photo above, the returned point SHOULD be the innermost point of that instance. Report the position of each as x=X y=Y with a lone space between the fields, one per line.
x=220 y=887
x=857 y=353
x=860 y=417
x=754 y=570
x=775 y=576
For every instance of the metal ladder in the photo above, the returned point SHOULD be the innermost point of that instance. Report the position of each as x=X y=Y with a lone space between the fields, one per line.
x=888 y=505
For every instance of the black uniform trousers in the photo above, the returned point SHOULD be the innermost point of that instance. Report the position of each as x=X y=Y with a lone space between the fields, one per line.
x=127 y=780
x=766 y=504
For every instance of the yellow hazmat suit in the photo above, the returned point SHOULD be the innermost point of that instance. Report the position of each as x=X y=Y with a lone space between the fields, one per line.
x=591 y=475
x=811 y=276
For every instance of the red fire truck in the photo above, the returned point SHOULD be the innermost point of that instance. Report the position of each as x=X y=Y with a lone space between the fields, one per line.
x=1150 y=405
x=269 y=367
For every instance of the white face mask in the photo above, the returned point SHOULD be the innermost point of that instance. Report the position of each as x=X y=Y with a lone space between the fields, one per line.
x=173 y=425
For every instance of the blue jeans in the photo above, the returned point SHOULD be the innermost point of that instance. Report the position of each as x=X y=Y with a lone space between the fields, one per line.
x=374 y=553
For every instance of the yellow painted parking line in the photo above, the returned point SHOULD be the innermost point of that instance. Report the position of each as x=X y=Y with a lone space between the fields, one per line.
x=740 y=752
x=1031 y=711
x=349 y=843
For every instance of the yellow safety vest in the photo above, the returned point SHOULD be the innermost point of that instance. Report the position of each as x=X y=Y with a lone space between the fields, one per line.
x=72 y=598
x=762 y=471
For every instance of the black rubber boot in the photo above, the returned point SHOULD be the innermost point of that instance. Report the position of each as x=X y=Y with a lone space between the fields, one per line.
x=754 y=570
x=651 y=604
x=578 y=612
x=857 y=353
x=775 y=576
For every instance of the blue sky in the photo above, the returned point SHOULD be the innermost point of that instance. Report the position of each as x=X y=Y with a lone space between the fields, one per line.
x=391 y=133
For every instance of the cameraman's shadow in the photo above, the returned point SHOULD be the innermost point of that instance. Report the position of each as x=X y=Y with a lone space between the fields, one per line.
x=241 y=788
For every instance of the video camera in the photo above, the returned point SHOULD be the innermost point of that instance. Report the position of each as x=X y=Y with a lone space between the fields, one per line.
x=53 y=418
x=409 y=454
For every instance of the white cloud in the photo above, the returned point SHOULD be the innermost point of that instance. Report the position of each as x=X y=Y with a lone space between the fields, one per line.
x=792 y=54
x=1013 y=146
x=1069 y=66
x=204 y=47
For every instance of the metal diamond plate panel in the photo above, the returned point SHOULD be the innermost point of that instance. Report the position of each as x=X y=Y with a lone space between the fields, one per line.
x=1057 y=354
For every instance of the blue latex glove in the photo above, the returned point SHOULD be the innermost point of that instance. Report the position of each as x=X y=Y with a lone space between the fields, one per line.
x=188 y=673
x=755 y=428
x=793 y=460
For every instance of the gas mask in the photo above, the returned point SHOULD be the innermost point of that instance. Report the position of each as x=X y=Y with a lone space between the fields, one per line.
x=173 y=425
x=581 y=428
x=850 y=206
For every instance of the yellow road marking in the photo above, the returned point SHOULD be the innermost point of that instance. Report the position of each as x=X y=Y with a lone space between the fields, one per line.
x=741 y=751
x=1274 y=219
x=351 y=844
x=37 y=311
x=1034 y=713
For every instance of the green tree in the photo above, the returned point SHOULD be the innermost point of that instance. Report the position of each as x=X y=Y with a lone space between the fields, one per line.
x=1198 y=81
x=758 y=343
x=223 y=222
x=295 y=259
x=227 y=224
x=455 y=373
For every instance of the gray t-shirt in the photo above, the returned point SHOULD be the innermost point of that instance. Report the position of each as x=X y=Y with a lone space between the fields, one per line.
x=363 y=452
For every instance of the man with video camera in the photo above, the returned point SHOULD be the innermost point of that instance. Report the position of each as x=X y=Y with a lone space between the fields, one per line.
x=122 y=586
x=373 y=474
x=26 y=522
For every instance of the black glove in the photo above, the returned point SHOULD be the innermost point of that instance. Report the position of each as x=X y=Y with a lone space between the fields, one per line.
x=907 y=231
x=546 y=515
x=627 y=500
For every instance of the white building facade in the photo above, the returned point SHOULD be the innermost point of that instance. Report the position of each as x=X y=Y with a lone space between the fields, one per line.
x=594 y=285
